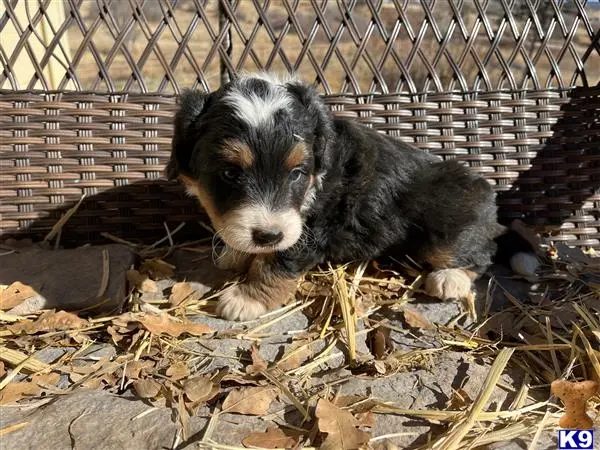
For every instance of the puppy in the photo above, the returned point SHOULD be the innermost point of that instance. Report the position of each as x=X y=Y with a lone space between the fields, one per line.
x=287 y=187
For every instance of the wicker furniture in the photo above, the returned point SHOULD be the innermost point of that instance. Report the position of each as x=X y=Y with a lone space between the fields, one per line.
x=511 y=88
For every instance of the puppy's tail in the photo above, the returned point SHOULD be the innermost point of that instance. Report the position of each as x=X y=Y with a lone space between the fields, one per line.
x=516 y=248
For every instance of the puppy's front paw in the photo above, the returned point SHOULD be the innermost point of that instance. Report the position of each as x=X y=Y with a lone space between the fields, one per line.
x=234 y=304
x=448 y=284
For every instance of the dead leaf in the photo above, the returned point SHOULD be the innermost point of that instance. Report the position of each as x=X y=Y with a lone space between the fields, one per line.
x=251 y=401
x=380 y=366
x=49 y=321
x=379 y=342
x=417 y=320
x=134 y=369
x=161 y=323
x=141 y=282
x=103 y=365
x=258 y=363
x=158 y=324
x=343 y=401
x=15 y=294
x=157 y=269
x=2 y=369
x=45 y=379
x=147 y=388
x=114 y=334
x=178 y=371
x=271 y=438
x=295 y=356
x=15 y=391
x=90 y=383
x=180 y=292
x=358 y=403
x=366 y=419
x=183 y=415
x=340 y=426
x=200 y=389
x=459 y=400
x=110 y=379
x=240 y=379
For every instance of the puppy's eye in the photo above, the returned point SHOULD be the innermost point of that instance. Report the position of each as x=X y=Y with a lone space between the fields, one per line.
x=296 y=174
x=230 y=175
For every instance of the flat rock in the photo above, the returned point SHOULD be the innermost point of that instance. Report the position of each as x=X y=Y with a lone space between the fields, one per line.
x=69 y=279
x=427 y=389
x=92 y=419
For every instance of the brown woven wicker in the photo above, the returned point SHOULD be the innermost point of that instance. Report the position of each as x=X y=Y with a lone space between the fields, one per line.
x=511 y=88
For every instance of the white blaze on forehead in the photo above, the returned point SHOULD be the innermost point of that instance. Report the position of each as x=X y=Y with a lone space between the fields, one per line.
x=255 y=109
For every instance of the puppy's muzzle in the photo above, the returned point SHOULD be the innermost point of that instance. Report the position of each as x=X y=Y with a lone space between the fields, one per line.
x=266 y=237
x=256 y=228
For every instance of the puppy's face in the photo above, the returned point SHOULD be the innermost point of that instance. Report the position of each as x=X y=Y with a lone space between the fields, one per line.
x=247 y=152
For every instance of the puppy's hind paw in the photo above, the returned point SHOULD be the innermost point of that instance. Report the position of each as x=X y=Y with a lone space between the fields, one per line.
x=447 y=284
x=234 y=304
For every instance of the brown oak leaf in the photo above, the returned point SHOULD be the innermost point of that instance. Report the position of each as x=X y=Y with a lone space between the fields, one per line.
x=165 y=324
x=417 y=320
x=258 y=363
x=49 y=321
x=293 y=358
x=249 y=401
x=135 y=369
x=271 y=438
x=178 y=371
x=162 y=324
x=200 y=389
x=180 y=292
x=15 y=294
x=340 y=426
x=147 y=388
x=15 y=391
x=141 y=282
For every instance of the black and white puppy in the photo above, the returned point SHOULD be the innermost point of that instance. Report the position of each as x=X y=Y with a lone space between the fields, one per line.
x=287 y=187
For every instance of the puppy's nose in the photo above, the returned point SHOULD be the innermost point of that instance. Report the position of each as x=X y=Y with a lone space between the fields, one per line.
x=266 y=237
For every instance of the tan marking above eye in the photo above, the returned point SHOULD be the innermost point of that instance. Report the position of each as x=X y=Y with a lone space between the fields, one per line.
x=296 y=156
x=237 y=152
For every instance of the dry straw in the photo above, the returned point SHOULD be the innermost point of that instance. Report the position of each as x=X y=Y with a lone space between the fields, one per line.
x=556 y=336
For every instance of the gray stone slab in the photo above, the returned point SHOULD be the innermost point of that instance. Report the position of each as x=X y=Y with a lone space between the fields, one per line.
x=92 y=420
x=69 y=279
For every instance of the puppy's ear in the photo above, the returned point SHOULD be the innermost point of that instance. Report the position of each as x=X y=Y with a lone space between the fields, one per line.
x=192 y=105
x=320 y=118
